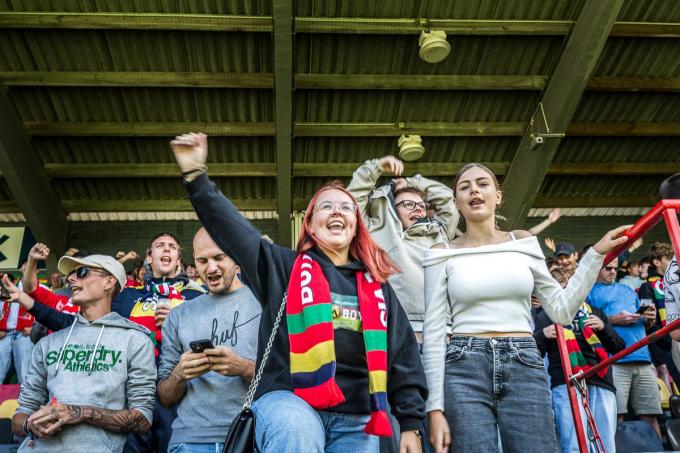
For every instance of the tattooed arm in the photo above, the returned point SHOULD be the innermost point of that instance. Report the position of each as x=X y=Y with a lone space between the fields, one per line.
x=51 y=419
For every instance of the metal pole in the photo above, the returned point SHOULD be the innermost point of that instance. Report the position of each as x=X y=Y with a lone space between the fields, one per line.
x=645 y=224
x=632 y=348
x=571 y=391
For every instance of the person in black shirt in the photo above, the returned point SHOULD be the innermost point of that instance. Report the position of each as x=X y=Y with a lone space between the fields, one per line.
x=335 y=241
x=601 y=390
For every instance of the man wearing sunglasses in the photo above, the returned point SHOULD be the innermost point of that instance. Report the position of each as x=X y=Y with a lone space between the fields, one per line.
x=634 y=375
x=90 y=385
x=396 y=215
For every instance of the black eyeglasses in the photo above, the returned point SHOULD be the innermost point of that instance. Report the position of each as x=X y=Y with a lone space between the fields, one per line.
x=82 y=272
x=411 y=205
x=611 y=268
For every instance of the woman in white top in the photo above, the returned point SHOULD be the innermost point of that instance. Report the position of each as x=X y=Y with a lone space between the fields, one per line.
x=490 y=379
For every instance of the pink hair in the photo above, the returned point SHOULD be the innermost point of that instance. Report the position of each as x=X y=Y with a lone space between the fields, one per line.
x=363 y=247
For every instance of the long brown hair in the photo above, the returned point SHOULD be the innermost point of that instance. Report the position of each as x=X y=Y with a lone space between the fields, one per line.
x=486 y=169
x=363 y=247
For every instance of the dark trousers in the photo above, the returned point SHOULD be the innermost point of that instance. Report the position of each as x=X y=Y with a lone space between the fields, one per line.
x=157 y=438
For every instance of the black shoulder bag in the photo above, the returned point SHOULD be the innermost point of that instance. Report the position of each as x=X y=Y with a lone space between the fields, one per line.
x=241 y=435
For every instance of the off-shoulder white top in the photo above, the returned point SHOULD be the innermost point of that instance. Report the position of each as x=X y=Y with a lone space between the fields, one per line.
x=488 y=289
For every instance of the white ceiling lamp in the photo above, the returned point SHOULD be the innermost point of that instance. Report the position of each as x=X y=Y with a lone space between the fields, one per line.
x=433 y=46
x=410 y=147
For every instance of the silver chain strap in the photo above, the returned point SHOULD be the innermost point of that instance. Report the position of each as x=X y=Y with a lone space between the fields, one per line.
x=256 y=380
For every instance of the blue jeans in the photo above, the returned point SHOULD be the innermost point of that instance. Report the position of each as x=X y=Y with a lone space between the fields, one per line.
x=497 y=386
x=196 y=448
x=603 y=405
x=285 y=423
x=19 y=347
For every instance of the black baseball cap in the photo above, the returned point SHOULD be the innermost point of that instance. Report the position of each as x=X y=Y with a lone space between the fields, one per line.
x=565 y=248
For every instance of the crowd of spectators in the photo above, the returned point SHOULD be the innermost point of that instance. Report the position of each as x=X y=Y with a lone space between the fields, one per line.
x=392 y=326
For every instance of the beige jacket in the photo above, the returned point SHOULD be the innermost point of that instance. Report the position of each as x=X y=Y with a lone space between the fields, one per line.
x=405 y=247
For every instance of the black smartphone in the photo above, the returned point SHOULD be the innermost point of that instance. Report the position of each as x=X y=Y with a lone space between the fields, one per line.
x=4 y=294
x=645 y=304
x=201 y=345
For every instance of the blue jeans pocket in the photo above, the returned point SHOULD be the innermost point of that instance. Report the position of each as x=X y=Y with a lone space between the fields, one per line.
x=454 y=353
x=529 y=357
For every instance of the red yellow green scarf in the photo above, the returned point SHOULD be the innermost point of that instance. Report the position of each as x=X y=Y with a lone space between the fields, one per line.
x=312 y=346
x=576 y=358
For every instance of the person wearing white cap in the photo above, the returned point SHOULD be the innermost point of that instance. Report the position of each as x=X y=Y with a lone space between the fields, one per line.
x=66 y=402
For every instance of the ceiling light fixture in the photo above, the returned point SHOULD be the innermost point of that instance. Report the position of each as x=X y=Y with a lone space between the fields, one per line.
x=433 y=46
x=410 y=147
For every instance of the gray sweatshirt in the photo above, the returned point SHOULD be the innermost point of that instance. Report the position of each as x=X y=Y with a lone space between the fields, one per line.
x=108 y=363
x=405 y=247
x=212 y=401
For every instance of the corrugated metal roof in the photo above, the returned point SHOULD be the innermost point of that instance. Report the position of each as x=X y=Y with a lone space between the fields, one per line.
x=619 y=149
x=394 y=106
x=437 y=149
x=157 y=189
x=650 y=11
x=134 y=50
x=124 y=150
x=236 y=7
x=624 y=107
x=640 y=58
x=398 y=54
x=578 y=186
x=458 y=9
x=142 y=104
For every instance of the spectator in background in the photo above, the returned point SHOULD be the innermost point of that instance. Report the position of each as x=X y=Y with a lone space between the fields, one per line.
x=191 y=272
x=67 y=402
x=58 y=286
x=15 y=342
x=633 y=280
x=590 y=338
x=567 y=257
x=634 y=375
x=396 y=217
x=29 y=282
x=553 y=217
x=652 y=291
x=209 y=386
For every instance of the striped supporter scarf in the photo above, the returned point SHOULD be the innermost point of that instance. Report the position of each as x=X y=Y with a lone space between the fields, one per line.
x=163 y=291
x=312 y=346
x=659 y=298
x=576 y=358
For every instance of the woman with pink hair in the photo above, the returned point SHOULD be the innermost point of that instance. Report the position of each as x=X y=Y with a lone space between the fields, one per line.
x=346 y=347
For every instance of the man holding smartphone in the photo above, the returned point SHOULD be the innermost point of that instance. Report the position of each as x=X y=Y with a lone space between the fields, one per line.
x=634 y=376
x=208 y=353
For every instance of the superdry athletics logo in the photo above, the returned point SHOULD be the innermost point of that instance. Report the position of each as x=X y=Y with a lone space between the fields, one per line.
x=77 y=358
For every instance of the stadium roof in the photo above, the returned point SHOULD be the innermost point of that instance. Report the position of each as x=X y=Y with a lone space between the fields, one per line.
x=295 y=93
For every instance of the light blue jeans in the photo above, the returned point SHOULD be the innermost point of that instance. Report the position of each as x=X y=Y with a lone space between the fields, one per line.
x=603 y=406
x=285 y=423
x=196 y=448
x=19 y=347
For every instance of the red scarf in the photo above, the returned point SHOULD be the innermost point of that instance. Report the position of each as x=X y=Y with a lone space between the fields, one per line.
x=312 y=345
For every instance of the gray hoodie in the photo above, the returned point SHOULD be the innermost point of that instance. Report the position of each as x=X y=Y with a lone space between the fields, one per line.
x=120 y=374
x=405 y=247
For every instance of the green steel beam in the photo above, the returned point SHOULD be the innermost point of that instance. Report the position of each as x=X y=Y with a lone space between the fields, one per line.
x=345 y=169
x=136 y=21
x=323 y=81
x=560 y=99
x=300 y=204
x=283 y=114
x=22 y=169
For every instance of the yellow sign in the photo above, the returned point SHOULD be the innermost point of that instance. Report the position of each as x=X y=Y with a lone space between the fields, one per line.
x=11 y=239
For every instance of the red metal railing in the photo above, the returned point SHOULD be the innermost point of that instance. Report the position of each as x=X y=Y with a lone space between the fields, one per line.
x=668 y=210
